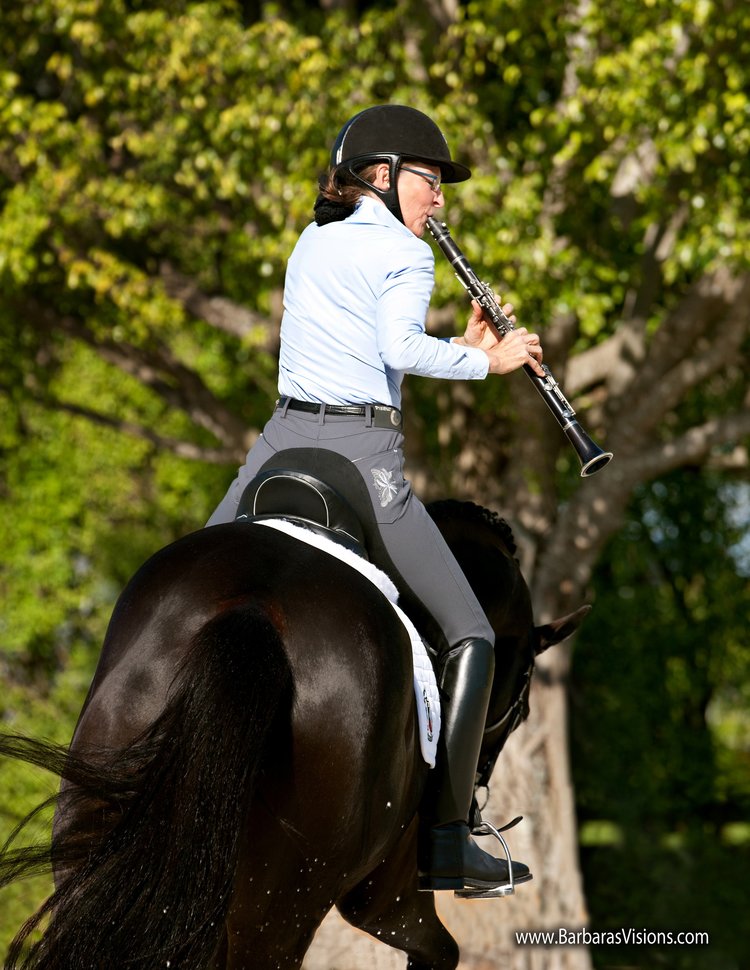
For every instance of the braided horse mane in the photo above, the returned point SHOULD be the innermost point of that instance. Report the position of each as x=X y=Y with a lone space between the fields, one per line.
x=470 y=512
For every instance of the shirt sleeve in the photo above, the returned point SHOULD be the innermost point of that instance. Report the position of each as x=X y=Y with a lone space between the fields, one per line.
x=402 y=341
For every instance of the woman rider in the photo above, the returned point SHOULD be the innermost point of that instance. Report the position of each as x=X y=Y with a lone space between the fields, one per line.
x=356 y=295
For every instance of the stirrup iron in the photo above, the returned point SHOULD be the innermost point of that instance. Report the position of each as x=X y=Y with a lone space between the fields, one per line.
x=509 y=888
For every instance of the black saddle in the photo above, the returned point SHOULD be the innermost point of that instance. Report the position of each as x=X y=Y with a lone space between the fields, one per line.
x=323 y=491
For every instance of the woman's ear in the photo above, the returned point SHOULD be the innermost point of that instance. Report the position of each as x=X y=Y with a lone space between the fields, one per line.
x=382 y=178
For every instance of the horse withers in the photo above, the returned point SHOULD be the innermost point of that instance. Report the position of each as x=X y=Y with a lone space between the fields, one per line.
x=248 y=757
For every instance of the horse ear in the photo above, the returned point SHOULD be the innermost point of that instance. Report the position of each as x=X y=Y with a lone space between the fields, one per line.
x=559 y=629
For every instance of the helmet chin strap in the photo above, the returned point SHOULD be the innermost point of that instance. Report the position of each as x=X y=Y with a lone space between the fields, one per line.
x=390 y=195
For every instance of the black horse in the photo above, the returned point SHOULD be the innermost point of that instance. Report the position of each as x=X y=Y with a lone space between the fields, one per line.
x=248 y=757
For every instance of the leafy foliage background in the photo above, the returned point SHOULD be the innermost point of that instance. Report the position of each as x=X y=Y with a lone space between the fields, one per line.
x=157 y=161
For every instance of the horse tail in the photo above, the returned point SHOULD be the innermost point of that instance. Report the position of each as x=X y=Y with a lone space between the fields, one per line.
x=152 y=885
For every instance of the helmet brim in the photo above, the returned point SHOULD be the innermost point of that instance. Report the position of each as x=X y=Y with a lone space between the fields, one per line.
x=450 y=171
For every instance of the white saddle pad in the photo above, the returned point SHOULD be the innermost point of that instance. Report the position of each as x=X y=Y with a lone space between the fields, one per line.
x=425 y=686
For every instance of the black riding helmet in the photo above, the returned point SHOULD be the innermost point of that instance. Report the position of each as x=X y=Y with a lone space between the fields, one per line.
x=393 y=133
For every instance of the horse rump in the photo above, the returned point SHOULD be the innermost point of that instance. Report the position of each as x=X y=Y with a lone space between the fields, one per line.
x=167 y=810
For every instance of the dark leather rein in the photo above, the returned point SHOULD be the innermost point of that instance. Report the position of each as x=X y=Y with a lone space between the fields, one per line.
x=499 y=732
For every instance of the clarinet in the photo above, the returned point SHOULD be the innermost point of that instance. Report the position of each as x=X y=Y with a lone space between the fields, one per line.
x=591 y=456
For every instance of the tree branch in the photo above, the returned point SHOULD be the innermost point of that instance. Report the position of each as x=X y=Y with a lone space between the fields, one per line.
x=713 y=296
x=443 y=12
x=187 y=392
x=598 y=509
x=219 y=312
x=599 y=363
x=639 y=301
x=656 y=391
x=693 y=447
x=183 y=449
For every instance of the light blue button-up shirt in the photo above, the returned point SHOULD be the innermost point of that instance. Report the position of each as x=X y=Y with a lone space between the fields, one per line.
x=355 y=303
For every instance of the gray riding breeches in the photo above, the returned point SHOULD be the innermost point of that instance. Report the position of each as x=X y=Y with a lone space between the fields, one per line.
x=411 y=538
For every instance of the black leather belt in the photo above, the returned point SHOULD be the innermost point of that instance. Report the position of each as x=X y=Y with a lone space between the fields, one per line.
x=382 y=415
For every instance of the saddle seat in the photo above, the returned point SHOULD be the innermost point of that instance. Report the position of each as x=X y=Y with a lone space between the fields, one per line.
x=320 y=490
x=295 y=496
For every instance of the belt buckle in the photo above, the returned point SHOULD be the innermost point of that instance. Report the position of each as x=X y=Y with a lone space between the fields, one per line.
x=395 y=416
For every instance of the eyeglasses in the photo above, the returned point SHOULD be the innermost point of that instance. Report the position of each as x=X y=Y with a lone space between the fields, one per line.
x=434 y=180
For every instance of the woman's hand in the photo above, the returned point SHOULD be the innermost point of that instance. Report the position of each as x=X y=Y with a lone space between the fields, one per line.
x=507 y=352
x=481 y=334
x=515 y=349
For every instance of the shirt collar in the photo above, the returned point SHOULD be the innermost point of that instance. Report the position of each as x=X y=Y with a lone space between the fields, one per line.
x=370 y=210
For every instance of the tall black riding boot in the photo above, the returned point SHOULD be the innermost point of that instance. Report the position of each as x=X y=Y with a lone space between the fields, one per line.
x=448 y=856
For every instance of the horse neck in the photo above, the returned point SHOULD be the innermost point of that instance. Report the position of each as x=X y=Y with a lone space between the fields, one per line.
x=485 y=550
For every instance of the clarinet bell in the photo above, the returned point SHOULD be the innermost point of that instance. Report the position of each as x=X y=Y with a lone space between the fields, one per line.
x=591 y=456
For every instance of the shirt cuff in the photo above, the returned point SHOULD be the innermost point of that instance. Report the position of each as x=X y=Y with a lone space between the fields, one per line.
x=479 y=362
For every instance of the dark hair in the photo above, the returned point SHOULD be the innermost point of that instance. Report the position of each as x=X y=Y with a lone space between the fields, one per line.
x=337 y=185
x=340 y=193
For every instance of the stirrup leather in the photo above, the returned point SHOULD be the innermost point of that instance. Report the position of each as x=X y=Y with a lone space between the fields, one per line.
x=510 y=887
